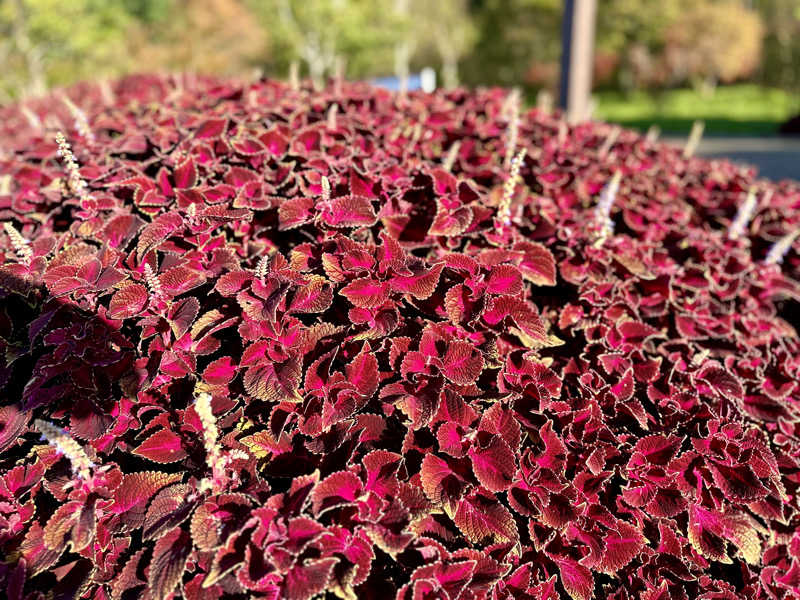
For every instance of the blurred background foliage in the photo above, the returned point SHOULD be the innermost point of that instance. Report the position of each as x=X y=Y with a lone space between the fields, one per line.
x=645 y=49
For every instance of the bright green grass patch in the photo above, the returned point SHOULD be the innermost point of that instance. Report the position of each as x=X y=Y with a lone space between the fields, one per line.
x=744 y=109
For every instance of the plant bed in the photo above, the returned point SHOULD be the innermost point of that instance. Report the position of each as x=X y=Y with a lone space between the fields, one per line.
x=269 y=342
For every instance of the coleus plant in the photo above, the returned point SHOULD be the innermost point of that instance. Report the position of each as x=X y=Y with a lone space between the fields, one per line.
x=290 y=344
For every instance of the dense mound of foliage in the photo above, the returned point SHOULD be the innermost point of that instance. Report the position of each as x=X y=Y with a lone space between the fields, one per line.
x=287 y=344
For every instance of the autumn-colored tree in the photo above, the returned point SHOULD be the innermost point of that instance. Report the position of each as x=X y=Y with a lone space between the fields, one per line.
x=713 y=41
x=207 y=36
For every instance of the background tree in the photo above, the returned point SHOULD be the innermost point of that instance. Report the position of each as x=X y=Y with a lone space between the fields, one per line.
x=445 y=32
x=713 y=41
x=362 y=32
x=518 y=42
x=207 y=36
x=780 y=63
x=51 y=42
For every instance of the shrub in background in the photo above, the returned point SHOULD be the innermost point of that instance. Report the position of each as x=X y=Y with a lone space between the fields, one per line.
x=288 y=344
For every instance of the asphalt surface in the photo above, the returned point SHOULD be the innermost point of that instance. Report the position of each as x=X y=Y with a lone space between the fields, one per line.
x=775 y=158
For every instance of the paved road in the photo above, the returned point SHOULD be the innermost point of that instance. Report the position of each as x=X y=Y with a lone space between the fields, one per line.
x=776 y=158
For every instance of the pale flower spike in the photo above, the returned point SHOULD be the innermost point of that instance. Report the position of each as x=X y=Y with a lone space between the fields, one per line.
x=75 y=182
x=781 y=248
x=743 y=215
x=452 y=154
x=510 y=186
x=513 y=133
x=63 y=442
x=331 y=118
x=215 y=460
x=695 y=135
x=326 y=189
x=19 y=243
x=602 y=211
x=81 y=122
x=210 y=432
x=153 y=283
x=261 y=268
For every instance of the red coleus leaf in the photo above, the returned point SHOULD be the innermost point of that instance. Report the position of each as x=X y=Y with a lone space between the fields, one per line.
x=335 y=490
x=739 y=483
x=480 y=517
x=349 y=211
x=421 y=284
x=263 y=443
x=706 y=533
x=156 y=232
x=163 y=446
x=169 y=508
x=13 y=422
x=451 y=577
x=722 y=382
x=182 y=315
x=442 y=484
x=128 y=579
x=73 y=524
x=211 y=129
x=504 y=279
x=656 y=449
x=134 y=494
x=120 y=230
x=220 y=372
x=576 y=579
x=537 y=265
x=274 y=382
x=313 y=297
x=295 y=212
x=622 y=545
x=391 y=255
x=463 y=363
x=451 y=222
x=494 y=465
x=634 y=332
x=520 y=312
x=366 y=292
x=231 y=283
x=169 y=561
x=381 y=467
x=128 y=302
x=185 y=174
x=309 y=579
x=179 y=280
x=363 y=372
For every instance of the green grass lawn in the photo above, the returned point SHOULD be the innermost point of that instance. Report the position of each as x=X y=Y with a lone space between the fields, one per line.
x=744 y=109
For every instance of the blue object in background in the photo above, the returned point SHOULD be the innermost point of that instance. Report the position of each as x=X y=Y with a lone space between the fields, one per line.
x=425 y=80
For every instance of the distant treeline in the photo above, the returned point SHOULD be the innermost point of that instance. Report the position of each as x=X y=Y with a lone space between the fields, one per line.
x=640 y=43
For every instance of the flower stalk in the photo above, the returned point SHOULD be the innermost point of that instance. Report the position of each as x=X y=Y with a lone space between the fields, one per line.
x=153 y=283
x=695 y=135
x=602 y=211
x=64 y=444
x=81 y=122
x=781 y=248
x=510 y=186
x=261 y=269
x=19 y=243
x=75 y=182
x=743 y=215
x=452 y=154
